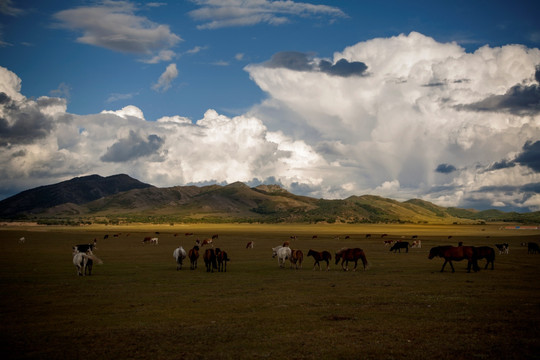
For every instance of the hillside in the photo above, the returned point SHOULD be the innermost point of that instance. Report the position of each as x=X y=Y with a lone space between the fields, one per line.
x=121 y=198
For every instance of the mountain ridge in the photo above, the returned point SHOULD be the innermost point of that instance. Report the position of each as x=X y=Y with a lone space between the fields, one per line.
x=123 y=198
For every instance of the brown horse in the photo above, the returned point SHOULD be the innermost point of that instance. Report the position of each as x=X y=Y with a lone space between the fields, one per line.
x=193 y=255
x=320 y=256
x=452 y=253
x=222 y=258
x=486 y=252
x=210 y=260
x=297 y=256
x=346 y=255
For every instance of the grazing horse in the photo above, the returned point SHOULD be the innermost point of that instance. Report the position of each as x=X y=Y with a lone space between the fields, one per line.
x=486 y=252
x=283 y=253
x=210 y=260
x=297 y=256
x=452 y=253
x=193 y=255
x=400 y=245
x=346 y=255
x=207 y=242
x=222 y=258
x=179 y=254
x=81 y=260
x=320 y=256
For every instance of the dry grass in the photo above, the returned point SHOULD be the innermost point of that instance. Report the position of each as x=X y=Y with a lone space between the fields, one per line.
x=137 y=306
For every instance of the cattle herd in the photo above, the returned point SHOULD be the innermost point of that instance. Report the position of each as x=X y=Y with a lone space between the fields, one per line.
x=215 y=259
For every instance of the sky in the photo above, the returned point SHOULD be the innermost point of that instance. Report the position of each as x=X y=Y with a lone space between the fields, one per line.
x=402 y=99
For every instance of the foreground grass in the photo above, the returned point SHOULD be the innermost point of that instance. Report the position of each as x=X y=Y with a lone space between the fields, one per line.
x=137 y=306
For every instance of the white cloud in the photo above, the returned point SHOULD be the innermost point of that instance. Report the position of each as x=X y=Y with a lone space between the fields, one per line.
x=219 y=13
x=113 y=25
x=386 y=132
x=164 y=82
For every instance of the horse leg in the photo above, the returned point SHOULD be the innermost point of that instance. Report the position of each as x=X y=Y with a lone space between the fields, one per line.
x=355 y=264
x=443 y=265
x=327 y=265
x=451 y=265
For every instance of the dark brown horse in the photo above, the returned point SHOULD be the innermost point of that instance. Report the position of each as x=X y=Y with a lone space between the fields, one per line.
x=297 y=256
x=346 y=255
x=193 y=255
x=452 y=253
x=320 y=256
x=222 y=258
x=210 y=260
x=486 y=252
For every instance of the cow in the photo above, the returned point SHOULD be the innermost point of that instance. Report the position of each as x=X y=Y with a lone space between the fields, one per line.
x=250 y=245
x=286 y=244
x=400 y=245
x=150 y=240
x=22 y=240
x=85 y=247
x=389 y=242
x=416 y=244
x=503 y=248
x=533 y=248
x=222 y=258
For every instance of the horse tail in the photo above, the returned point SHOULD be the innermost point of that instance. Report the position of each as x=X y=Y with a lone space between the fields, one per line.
x=365 y=262
x=95 y=259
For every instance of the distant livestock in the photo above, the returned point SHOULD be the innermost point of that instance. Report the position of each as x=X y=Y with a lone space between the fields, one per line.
x=210 y=260
x=533 y=248
x=416 y=244
x=83 y=261
x=179 y=254
x=346 y=255
x=319 y=256
x=193 y=256
x=400 y=245
x=452 y=253
x=250 y=245
x=297 y=256
x=150 y=240
x=207 y=242
x=282 y=253
x=503 y=248
x=22 y=240
x=222 y=257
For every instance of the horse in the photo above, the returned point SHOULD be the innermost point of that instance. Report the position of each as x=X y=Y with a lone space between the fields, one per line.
x=346 y=255
x=81 y=260
x=320 y=256
x=486 y=252
x=210 y=260
x=193 y=255
x=179 y=254
x=297 y=256
x=222 y=258
x=452 y=253
x=283 y=253
x=400 y=245
x=533 y=248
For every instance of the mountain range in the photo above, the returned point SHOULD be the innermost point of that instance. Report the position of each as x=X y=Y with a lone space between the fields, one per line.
x=120 y=198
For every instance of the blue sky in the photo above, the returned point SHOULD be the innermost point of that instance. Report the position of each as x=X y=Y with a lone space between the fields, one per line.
x=436 y=100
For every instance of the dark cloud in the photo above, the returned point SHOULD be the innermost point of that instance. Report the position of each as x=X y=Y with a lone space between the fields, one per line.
x=22 y=123
x=445 y=168
x=298 y=61
x=530 y=156
x=343 y=68
x=132 y=147
x=517 y=100
x=503 y=164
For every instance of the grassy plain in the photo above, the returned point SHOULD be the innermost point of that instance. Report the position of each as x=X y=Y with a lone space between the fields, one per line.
x=137 y=306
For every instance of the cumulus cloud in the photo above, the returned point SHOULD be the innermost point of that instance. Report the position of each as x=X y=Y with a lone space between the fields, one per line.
x=113 y=25
x=218 y=14
x=164 y=82
x=404 y=126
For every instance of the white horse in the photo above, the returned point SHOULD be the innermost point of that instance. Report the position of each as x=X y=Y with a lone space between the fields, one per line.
x=179 y=254
x=80 y=260
x=283 y=253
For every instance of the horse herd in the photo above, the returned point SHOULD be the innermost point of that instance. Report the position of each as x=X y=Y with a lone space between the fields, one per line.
x=216 y=259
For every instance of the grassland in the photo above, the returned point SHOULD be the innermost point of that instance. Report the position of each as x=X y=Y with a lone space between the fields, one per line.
x=137 y=306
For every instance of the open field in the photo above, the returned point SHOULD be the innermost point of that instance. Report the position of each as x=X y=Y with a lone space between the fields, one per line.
x=137 y=306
